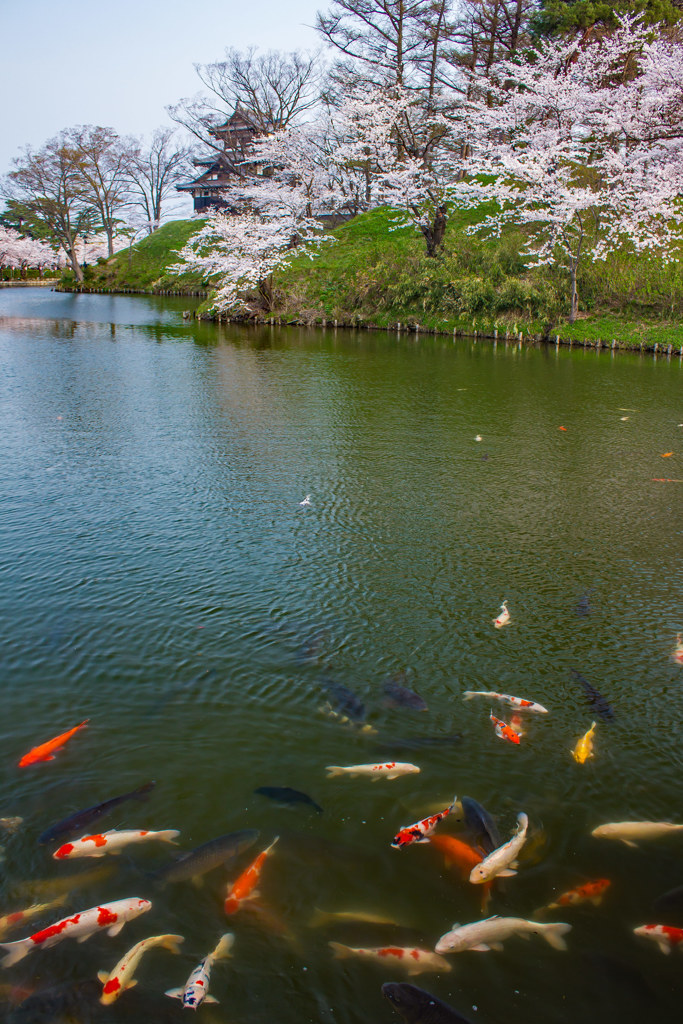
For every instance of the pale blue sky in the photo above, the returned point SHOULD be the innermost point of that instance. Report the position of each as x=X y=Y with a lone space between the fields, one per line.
x=119 y=63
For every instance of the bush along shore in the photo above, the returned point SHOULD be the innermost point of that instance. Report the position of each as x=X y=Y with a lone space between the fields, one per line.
x=377 y=277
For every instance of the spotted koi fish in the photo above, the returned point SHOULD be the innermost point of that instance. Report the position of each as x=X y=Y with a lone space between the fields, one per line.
x=503 y=616
x=414 y=961
x=10 y=921
x=45 y=751
x=110 y=842
x=505 y=731
x=388 y=770
x=196 y=990
x=514 y=702
x=666 y=937
x=244 y=888
x=419 y=831
x=121 y=977
x=109 y=917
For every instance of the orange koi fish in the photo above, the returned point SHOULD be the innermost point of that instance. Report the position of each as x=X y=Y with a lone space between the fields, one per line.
x=44 y=752
x=677 y=653
x=243 y=888
x=464 y=856
x=506 y=732
x=590 y=892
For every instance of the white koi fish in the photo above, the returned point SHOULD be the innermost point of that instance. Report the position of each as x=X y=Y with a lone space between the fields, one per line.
x=109 y=917
x=666 y=937
x=492 y=932
x=10 y=921
x=388 y=770
x=503 y=616
x=110 y=842
x=419 y=831
x=121 y=977
x=196 y=990
x=414 y=961
x=501 y=862
x=628 y=831
x=514 y=702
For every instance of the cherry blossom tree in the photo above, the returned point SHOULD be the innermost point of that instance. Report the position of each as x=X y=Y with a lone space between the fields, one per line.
x=585 y=144
x=21 y=253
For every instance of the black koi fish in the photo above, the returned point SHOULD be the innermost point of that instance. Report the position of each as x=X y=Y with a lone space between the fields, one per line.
x=399 y=696
x=76 y=822
x=287 y=795
x=481 y=825
x=343 y=702
x=208 y=856
x=596 y=700
x=419 y=1007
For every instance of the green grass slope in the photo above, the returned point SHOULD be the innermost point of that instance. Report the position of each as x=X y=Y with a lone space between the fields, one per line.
x=143 y=266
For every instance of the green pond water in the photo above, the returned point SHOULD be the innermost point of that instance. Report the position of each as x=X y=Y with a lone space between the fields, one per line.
x=160 y=578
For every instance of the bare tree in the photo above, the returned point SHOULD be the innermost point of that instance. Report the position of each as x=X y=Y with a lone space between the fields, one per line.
x=103 y=161
x=48 y=184
x=487 y=31
x=154 y=172
x=379 y=40
x=273 y=89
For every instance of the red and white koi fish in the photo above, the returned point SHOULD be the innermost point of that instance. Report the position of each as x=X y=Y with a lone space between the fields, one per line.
x=514 y=702
x=388 y=770
x=243 y=889
x=414 y=961
x=109 y=917
x=420 y=830
x=677 y=653
x=196 y=990
x=45 y=751
x=505 y=731
x=110 y=842
x=10 y=921
x=503 y=616
x=666 y=937
x=121 y=977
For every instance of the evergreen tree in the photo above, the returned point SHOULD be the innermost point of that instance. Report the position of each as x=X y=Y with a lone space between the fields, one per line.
x=567 y=17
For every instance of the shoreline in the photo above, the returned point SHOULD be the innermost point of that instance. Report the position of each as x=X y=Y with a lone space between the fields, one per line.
x=30 y=284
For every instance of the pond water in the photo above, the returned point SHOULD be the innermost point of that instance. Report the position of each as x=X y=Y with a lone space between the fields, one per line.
x=161 y=579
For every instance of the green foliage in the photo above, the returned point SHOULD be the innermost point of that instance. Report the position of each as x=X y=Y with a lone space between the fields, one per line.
x=565 y=17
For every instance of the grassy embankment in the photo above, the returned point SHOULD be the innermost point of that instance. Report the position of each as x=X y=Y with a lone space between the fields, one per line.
x=376 y=276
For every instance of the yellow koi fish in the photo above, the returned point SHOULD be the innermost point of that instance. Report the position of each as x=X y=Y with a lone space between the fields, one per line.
x=584 y=747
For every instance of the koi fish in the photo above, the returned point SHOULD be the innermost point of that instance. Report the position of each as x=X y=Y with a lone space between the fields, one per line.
x=517 y=725
x=44 y=752
x=666 y=937
x=589 y=892
x=514 y=702
x=82 y=818
x=415 y=961
x=10 y=921
x=420 y=830
x=208 y=856
x=584 y=746
x=109 y=917
x=490 y=933
x=628 y=831
x=110 y=842
x=481 y=824
x=11 y=825
x=465 y=857
x=399 y=696
x=121 y=977
x=287 y=795
x=677 y=653
x=344 y=705
x=502 y=862
x=419 y=1007
x=389 y=770
x=503 y=730
x=321 y=918
x=196 y=990
x=503 y=616
x=243 y=888
x=594 y=697
x=65 y=884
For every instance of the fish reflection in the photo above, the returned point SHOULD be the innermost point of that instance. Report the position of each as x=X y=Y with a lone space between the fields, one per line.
x=419 y=1007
